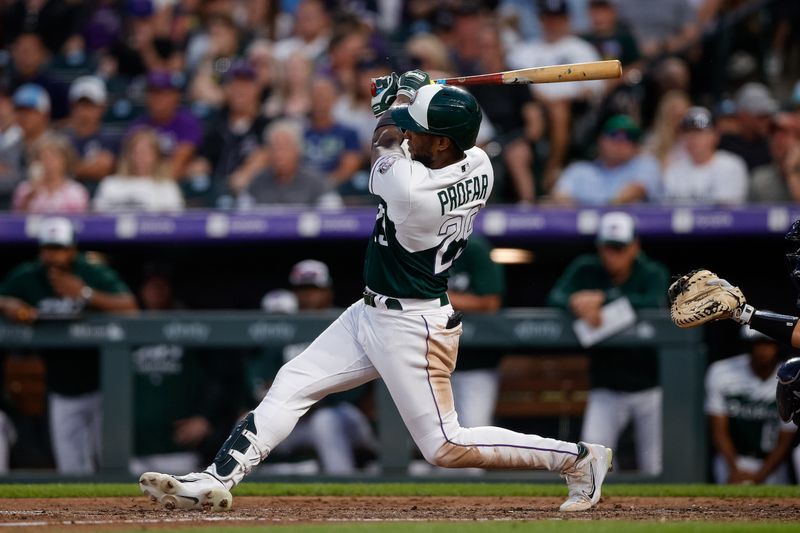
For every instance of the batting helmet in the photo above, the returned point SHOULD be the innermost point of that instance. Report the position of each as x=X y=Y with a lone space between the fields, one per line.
x=787 y=394
x=442 y=110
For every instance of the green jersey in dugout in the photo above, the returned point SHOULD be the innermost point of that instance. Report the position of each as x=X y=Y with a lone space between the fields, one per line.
x=424 y=219
x=70 y=371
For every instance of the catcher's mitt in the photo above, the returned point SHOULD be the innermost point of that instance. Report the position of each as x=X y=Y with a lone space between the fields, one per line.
x=701 y=296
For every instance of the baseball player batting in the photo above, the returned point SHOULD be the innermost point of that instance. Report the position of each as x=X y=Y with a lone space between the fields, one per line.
x=404 y=329
x=701 y=296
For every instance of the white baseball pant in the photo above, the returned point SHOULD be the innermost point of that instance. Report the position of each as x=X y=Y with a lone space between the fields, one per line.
x=75 y=434
x=475 y=393
x=335 y=432
x=415 y=355
x=8 y=437
x=607 y=414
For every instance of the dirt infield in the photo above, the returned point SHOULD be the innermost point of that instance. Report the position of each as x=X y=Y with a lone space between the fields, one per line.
x=93 y=514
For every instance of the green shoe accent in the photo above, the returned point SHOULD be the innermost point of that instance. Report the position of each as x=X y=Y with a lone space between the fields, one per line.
x=224 y=461
x=583 y=451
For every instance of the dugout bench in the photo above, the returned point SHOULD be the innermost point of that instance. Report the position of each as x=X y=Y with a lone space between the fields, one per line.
x=681 y=355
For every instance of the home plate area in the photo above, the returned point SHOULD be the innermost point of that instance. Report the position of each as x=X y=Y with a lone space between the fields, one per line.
x=104 y=513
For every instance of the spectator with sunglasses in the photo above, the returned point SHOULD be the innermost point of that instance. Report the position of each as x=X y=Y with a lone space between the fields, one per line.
x=619 y=175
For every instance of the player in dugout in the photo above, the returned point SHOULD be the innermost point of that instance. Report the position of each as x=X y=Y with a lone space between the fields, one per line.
x=432 y=180
x=701 y=296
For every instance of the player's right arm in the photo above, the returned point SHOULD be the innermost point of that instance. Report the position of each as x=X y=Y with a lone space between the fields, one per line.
x=387 y=138
x=12 y=305
x=16 y=310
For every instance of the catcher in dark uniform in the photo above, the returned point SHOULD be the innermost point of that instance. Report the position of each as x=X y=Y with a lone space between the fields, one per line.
x=701 y=296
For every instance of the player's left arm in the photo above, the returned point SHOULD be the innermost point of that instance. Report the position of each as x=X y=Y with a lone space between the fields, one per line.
x=782 y=328
x=722 y=442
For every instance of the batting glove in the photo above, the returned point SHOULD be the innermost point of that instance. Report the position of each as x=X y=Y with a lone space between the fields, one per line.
x=385 y=92
x=411 y=81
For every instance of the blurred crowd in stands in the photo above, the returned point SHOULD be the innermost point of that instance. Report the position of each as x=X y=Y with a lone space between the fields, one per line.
x=163 y=105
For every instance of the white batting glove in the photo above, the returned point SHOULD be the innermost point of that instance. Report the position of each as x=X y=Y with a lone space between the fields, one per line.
x=410 y=81
x=385 y=93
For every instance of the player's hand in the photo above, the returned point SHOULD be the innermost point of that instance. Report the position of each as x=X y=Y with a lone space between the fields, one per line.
x=65 y=284
x=742 y=477
x=385 y=93
x=191 y=431
x=16 y=310
x=411 y=81
x=587 y=305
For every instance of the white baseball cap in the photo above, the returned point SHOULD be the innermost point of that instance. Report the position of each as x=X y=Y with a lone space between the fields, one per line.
x=756 y=99
x=32 y=96
x=280 y=301
x=310 y=273
x=91 y=88
x=616 y=228
x=56 y=231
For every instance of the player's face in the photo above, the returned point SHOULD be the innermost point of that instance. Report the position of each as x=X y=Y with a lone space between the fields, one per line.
x=162 y=103
x=313 y=298
x=85 y=111
x=618 y=260
x=701 y=144
x=57 y=257
x=764 y=356
x=420 y=147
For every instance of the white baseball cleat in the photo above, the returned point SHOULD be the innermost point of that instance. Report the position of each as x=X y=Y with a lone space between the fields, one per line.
x=200 y=491
x=585 y=478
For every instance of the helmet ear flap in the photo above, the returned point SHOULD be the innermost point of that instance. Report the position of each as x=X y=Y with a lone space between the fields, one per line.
x=788 y=403
x=787 y=393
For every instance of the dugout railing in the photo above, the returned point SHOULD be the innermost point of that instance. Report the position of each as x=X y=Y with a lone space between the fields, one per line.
x=681 y=355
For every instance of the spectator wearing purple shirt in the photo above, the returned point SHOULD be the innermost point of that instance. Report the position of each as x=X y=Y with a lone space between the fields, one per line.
x=179 y=132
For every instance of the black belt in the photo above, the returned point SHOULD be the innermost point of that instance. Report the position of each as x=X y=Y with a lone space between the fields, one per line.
x=394 y=304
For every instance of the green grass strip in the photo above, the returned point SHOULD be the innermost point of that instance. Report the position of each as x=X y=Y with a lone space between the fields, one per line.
x=85 y=490
x=566 y=526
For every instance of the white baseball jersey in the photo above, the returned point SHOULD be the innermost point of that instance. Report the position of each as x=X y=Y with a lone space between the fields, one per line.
x=424 y=220
x=734 y=391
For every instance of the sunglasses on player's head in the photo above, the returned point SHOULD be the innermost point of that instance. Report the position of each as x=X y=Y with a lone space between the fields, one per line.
x=622 y=135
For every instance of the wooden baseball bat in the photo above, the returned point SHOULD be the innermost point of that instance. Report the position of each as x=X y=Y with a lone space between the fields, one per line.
x=594 y=70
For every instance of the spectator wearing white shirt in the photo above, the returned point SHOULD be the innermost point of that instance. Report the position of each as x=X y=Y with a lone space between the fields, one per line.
x=558 y=45
x=142 y=182
x=705 y=175
x=312 y=32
